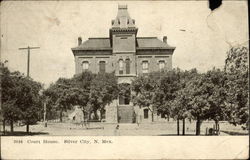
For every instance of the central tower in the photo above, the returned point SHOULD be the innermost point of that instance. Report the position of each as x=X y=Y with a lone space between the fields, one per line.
x=123 y=42
x=123 y=32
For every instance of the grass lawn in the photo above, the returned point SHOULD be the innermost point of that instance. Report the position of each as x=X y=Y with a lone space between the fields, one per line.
x=105 y=129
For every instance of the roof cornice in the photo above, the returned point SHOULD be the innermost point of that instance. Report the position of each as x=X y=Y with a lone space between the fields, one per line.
x=91 y=49
x=155 y=48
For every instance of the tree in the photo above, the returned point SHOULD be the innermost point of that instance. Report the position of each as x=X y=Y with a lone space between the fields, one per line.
x=90 y=91
x=179 y=103
x=103 y=91
x=217 y=98
x=169 y=84
x=80 y=92
x=20 y=98
x=143 y=91
x=10 y=110
x=61 y=95
x=199 y=92
x=236 y=68
x=29 y=102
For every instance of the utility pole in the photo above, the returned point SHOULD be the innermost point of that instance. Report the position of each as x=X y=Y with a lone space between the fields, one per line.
x=28 y=61
x=44 y=114
x=1 y=111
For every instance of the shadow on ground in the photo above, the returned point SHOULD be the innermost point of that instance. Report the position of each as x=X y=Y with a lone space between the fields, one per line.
x=20 y=133
x=178 y=135
x=233 y=133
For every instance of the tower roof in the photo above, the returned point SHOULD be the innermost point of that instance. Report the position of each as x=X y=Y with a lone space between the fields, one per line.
x=123 y=20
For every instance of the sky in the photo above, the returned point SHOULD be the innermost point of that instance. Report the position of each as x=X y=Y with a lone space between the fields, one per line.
x=201 y=37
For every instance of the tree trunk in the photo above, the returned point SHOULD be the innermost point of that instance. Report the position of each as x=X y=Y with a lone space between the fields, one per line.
x=183 y=126
x=3 y=126
x=102 y=111
x=217 y=126
x=178 y=126
x=61 y=113
x=11 y=126
x=198 y=126
x=89 y=115
x=96 y=117
x=84 y=116
x=152 y=116
x=28 y=127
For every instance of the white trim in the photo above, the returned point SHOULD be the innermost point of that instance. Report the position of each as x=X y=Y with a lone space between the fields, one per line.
x=84 y=60
x=142 y=60
x=98 y=62
x=158 y=61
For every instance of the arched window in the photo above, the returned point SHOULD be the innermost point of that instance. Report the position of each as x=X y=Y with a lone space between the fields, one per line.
x=145 y=67
x=120 y=66
x=102 y=66
x=161 y=65
x=127 y=66
x=85 y=66
x=145 y=113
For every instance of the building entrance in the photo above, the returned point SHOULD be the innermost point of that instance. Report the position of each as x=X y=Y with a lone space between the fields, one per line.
x=125 y=114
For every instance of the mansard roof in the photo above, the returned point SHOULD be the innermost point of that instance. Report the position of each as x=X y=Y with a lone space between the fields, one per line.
x=151 y=43
x=95 y=44
x=104 y=44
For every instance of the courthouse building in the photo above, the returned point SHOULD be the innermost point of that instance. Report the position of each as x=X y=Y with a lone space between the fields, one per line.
x=128 y=56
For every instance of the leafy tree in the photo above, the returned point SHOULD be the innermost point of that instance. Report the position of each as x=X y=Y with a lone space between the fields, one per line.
x=169 y=84
x=237 y=60
x=216 y=100
x=179 y=107
x=11 y=112
x=236 y=68
x=90 y=91
x=178 y=101
x=20 y=98
x=103 y=91
x=199 y=92
x=143 y=91
x=58 y=95
x=124 y=91
x=30 y=103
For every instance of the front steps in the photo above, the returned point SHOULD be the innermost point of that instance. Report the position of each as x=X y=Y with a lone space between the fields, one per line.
x=125 y=114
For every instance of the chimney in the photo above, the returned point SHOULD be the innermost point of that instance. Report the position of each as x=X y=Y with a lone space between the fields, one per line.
x=79 y=41
x=165 y=38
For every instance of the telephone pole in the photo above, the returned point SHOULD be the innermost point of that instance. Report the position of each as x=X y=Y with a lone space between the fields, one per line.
x=28 y=60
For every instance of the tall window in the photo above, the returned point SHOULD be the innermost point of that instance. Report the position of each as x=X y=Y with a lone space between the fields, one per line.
x=85 y=66
x=127 y=66
x=120 y=66
x=145 y=113
x=145 y=67
x=102 y=66
x=161 y=65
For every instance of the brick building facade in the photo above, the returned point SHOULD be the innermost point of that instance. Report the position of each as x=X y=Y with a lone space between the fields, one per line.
x=128 y=56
